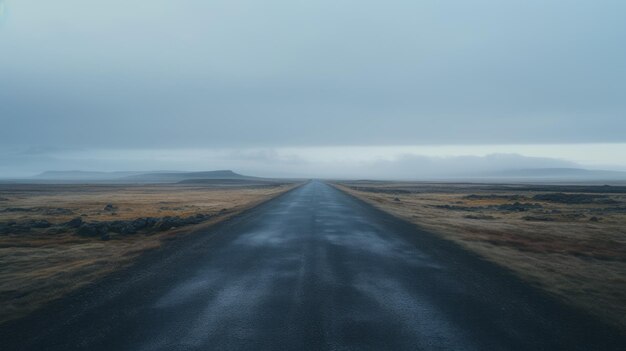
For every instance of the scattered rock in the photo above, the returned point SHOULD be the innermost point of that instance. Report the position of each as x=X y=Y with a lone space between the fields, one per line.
x=381 y=190
x=75 y=222
x=163 y=225
x=139 y=223
x=396 y=199
x=574 y=215
x=56 y=230
x=102 y=227
x=87 y=230
x=494 y=197
x=13 y=227
x=594 y=219
x=480 y=217
x=110 y=207
x=44 y=210
x=40 y=223
x=57 y=211
x=518 y=207
x=575 y=198
x=129 y=227
x=458 y=208
x=20 y=229
x=115 y=226
x=616 y=209
x=538 y=218
x=18 y=209
x=150 y=222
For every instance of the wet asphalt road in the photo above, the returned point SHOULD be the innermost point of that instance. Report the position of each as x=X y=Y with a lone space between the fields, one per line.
x=314 y=269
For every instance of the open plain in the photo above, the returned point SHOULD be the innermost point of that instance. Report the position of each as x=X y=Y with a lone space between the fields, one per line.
x=57 y=238
x=567 y=240
x=313 y=269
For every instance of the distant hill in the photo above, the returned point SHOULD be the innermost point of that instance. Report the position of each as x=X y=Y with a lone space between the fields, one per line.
x=137 y=177
x=183 y=176
x=557 y=173
x=233 y=182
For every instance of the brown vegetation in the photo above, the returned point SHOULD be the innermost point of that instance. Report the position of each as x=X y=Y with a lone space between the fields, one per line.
x=42 y=256
x=569 y=241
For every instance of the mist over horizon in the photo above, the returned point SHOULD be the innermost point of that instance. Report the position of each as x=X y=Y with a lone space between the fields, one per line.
x=325 y=89
x=354 y=163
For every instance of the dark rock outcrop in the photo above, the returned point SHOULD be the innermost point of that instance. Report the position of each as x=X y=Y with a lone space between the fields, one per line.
x=129 y=227
x=18 y=209
x=518 y=207
x=87 y=230
x=538 y=218
x=38 y=223
x=575 y=198
x=74 y=222
x=494 y=197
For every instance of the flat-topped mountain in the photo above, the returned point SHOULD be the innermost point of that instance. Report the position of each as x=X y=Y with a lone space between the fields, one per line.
x=138 y=177
x=180 y=176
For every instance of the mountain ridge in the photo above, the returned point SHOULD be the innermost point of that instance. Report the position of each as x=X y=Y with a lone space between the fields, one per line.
x=138 y=176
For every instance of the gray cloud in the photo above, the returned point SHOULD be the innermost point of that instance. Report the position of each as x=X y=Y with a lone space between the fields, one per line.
x=148 y=74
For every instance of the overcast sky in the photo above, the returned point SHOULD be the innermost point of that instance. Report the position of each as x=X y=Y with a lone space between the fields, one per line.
x=114 y=80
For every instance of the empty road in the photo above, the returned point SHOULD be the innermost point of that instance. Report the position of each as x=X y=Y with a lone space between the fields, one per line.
x=314 y=269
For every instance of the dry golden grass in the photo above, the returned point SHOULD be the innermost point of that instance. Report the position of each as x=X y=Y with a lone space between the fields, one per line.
x=579 y=260
x=39 y=266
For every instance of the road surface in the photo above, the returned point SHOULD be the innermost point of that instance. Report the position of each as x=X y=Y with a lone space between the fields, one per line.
x=314 y=269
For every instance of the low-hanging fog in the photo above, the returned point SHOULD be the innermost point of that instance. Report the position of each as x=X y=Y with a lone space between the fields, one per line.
x=321 y=89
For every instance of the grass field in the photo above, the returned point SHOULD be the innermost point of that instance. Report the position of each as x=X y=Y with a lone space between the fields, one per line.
x=57 y=238
x=569 y=241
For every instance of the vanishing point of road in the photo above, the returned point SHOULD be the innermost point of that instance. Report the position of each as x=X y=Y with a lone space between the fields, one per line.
x=314 y=269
